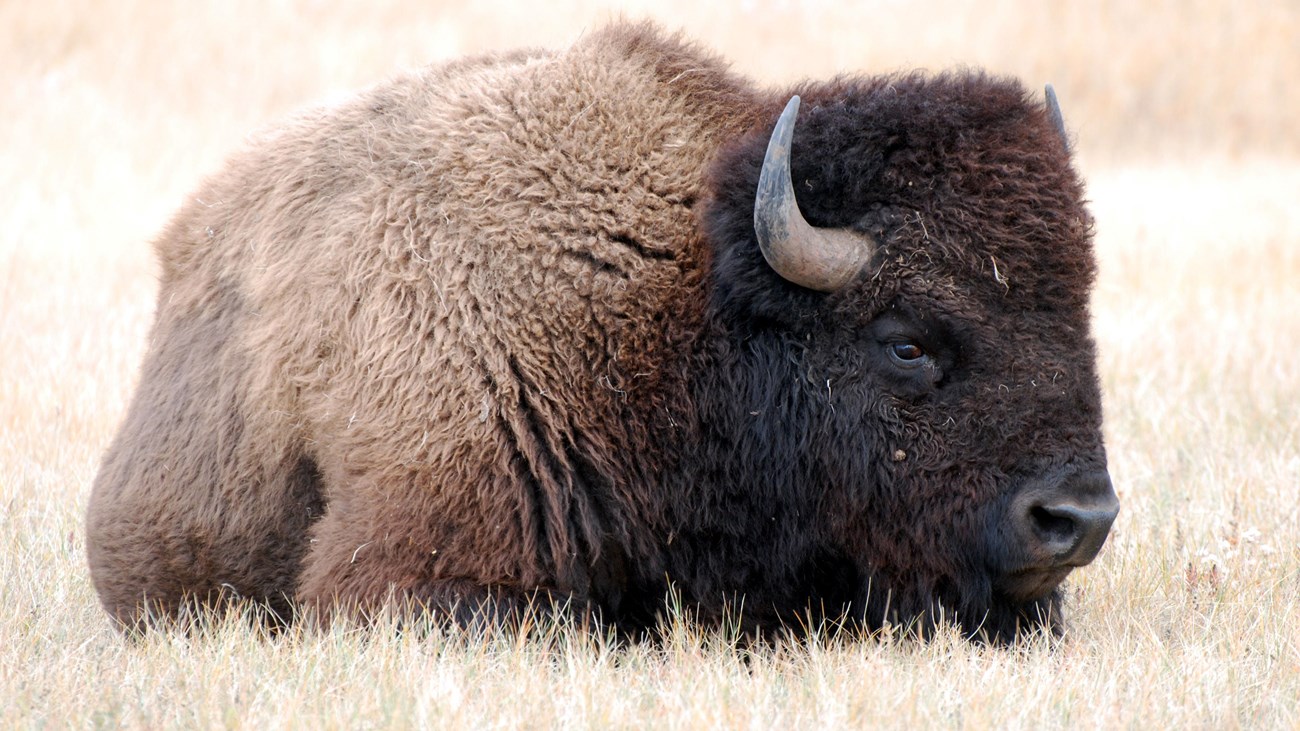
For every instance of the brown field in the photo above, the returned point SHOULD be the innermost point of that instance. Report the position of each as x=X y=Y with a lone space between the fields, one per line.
x=1185 y=115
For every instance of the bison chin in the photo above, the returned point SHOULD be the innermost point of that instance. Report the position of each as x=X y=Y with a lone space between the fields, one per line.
x=1009 y=620
x=978 y=609
x=1030 y=584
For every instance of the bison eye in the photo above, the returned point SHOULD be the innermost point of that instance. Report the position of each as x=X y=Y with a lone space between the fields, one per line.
x=907 y=354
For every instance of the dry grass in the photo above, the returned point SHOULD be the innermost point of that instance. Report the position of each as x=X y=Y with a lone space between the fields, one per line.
x=1185 y=116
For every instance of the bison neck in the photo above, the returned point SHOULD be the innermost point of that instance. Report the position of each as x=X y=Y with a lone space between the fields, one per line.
x=742 y=503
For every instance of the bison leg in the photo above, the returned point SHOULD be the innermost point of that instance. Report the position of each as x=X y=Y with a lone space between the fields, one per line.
x=199 y=496
x=363 y=574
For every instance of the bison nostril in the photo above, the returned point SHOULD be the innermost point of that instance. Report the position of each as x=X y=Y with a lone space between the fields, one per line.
x=1072 y=533
x=1053 y=524
x=1065 y=523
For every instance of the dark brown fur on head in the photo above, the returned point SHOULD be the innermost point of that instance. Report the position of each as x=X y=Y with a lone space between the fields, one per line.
x=985 y=249
x=501 y=330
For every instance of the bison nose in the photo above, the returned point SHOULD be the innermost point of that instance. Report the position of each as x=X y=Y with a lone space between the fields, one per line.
x=1067 y=523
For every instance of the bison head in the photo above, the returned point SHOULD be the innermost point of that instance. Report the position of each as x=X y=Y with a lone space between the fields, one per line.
x=915 y=278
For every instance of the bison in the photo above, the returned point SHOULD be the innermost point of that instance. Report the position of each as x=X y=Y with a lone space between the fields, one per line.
x=596 y=325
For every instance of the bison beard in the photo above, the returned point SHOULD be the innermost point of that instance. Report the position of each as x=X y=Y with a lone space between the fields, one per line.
x=516 y=327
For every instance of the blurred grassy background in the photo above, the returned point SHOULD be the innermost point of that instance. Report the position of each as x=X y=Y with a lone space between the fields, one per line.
x=114 y=108
x=153 y=90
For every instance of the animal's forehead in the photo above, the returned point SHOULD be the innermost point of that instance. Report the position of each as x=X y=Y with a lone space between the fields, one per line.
x=1022 y=255
x=962 y=179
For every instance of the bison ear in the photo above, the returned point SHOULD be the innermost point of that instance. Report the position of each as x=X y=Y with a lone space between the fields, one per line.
x=1054 y=114
x=821 y=259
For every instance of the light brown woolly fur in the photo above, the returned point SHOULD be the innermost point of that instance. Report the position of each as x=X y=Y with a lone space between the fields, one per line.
x=347 y=315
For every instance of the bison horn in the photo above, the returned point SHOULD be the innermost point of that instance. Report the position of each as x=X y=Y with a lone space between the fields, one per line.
x=822 y=259
x=1054 y=114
